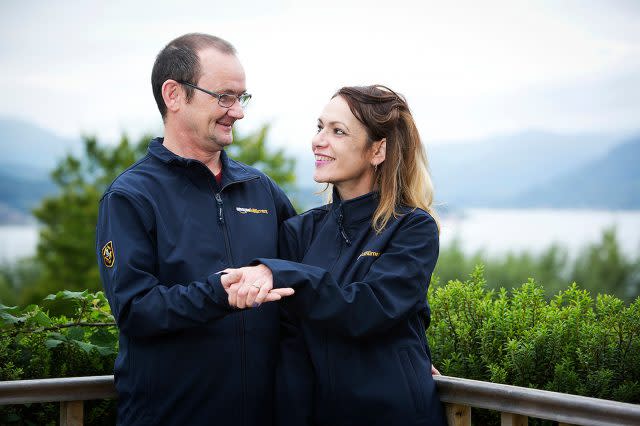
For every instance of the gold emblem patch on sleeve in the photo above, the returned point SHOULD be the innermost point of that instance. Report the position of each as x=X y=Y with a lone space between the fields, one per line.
x=108 y=255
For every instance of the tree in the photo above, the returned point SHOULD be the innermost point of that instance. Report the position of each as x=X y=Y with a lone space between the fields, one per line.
x=252 y=150
x=66 y=246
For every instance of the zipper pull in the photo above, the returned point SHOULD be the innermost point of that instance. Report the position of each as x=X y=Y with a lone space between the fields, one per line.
x=219 y=201
x=345 y=237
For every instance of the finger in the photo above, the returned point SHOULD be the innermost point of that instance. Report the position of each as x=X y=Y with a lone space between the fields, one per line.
x=434 y=371
x=227 y=279
x=233 y=294
x=242 y=297
x=254 y=289
x=272 y=297
x=283 y=292
x=264 y=290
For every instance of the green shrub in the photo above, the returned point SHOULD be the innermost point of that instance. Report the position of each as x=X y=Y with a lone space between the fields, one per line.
x=71 y=334
x=572 y=343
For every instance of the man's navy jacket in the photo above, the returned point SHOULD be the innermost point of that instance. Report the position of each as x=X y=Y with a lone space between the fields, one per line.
x=354 y=350
x=165 y=228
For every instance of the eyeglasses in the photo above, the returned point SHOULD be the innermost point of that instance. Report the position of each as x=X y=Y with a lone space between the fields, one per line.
x=225 y=100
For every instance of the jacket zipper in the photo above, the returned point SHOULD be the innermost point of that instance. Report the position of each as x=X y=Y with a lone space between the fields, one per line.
x=241 y=320
x=345 y=237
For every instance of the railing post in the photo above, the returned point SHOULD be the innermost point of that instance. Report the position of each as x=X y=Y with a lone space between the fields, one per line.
x=458 y=415
x=71 y=413
x=510 y=419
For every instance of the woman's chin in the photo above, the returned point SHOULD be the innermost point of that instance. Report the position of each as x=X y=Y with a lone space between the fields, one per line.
x=319 y=178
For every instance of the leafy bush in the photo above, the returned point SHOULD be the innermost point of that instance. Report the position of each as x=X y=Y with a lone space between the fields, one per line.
x=572 y=343
x=71 y=334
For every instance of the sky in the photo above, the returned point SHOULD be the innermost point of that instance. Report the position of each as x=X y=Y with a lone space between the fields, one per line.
x=469 y=69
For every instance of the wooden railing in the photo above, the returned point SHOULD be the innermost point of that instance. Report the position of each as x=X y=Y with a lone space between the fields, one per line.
x=514 y=403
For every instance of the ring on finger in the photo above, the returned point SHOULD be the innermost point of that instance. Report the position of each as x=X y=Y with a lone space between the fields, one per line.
x=256 y=286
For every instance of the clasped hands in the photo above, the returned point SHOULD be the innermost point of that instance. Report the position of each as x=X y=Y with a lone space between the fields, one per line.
x=251 y=286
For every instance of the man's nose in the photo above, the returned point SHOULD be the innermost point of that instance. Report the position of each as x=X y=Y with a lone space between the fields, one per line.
x=236 y=111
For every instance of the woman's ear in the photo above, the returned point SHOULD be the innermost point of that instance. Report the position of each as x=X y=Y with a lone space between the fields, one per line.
x=171 y=94
x=379 y=152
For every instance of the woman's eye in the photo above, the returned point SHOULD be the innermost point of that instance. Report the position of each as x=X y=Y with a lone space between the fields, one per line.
x=319 y=129
x=339 y=132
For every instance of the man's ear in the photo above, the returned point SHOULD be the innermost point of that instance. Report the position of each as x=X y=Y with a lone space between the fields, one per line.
x=379 y=152
x=172 y=94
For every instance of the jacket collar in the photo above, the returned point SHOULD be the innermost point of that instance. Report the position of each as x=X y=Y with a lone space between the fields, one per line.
x=354 y=210
x=232 y=171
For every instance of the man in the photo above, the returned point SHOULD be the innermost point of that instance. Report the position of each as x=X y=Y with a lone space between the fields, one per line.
x=166 y=226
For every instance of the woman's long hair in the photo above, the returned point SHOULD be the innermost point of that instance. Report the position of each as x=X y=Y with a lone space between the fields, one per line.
x=403 y=177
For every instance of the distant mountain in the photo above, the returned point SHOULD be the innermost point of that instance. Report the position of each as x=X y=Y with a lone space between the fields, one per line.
x=491 y=172
x=26 y=145
x=24 y=193
x=609 y=182
x=29 y=153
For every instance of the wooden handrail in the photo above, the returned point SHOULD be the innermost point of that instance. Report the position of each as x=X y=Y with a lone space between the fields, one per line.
x=561 y=407
x=515 y=403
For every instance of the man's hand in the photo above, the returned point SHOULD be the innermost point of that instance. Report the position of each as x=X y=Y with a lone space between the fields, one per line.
x=250 y=286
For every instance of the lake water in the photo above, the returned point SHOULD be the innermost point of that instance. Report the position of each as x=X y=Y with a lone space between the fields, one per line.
x=501 y=230
x=495 y=230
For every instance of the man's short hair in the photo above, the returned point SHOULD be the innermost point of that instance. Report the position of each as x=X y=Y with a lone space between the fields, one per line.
x=179 y=61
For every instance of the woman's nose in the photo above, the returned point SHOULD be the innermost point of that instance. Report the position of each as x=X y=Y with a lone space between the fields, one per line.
x=318 y=140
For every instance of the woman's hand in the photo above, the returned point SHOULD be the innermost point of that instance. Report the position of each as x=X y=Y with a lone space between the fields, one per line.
x=434 y=371
x=251 y=286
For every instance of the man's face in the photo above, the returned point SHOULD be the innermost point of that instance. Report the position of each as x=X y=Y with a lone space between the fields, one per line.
x=207 y=122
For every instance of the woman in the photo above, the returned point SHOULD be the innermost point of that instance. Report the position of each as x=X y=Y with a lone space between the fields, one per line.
x=354 y=350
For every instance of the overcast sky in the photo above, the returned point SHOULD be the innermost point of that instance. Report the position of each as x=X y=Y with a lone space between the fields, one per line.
x=469 y=69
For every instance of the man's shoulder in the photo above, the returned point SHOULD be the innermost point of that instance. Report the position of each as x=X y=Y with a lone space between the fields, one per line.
x=135 y=177
x=244 y=171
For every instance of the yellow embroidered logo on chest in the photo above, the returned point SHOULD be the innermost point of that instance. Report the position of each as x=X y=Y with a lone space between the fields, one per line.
x=108 y=255
x=369 y=253
x=244 y=210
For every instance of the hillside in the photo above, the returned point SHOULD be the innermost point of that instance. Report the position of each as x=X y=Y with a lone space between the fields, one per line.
x=609 y=182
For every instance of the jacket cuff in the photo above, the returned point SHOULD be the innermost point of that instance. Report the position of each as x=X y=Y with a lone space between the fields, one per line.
x=219 y=296
x=277 y=266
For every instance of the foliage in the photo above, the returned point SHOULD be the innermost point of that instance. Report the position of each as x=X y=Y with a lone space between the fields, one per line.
x=252 y=150
x=13 y=277
x=600 y=267
x=66 y=243
x=571 y=344
x=71 y=334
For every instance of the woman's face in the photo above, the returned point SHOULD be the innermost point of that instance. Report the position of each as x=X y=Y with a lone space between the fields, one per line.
x=342 y=157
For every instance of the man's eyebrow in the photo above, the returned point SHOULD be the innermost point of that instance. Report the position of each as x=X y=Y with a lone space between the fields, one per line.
x=231 y=91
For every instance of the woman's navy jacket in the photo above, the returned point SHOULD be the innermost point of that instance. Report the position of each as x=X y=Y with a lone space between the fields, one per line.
x=165 y=228
x=354 y=350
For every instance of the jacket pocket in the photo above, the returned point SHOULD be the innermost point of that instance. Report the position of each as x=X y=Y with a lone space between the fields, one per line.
x=411 y=377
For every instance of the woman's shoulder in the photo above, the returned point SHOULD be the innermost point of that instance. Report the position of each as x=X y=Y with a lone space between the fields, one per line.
x=416 y=220
x=416 y=214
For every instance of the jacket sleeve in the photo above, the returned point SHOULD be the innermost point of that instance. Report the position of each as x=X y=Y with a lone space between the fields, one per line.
x=394 y=287
x=295 y=378
x=141 y=304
